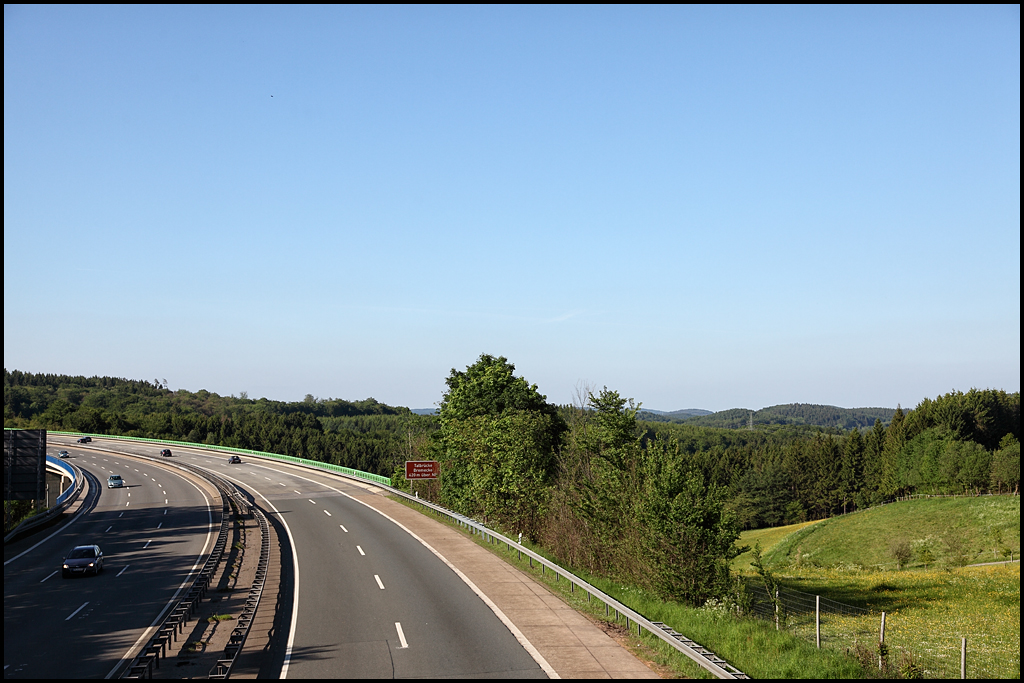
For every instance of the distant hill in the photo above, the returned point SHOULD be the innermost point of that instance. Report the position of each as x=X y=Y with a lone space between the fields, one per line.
x=424 y=411
x=673 y=416
x=787 y=414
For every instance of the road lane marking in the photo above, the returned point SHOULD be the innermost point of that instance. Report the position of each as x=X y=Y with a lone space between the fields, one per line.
x=77 y=611
x=159 y=525
x=147 y=544
x=297 y=492
x=360 y=549
x=127 y=504
x=165 y=503
x=54 y=572
x=280 y=484
x=129 y=494
x=293 y=627
x=111 y=526
x=123 y=570
x=311 y=501
x=401 y=635
x=328 y=513
x=164 y=492
x=379 y=582
x=523 y=640
x=121 y=515
x=165 y=509
x=343 y=528
x=268 y=478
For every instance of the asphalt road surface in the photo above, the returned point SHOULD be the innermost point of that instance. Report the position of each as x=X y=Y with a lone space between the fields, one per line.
x=373 y=602
x=154 y=533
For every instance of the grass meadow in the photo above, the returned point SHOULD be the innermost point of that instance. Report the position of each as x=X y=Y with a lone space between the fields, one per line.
x=928 y=609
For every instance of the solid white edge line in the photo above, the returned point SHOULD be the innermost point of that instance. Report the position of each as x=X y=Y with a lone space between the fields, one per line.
x=77 y=611
x=527 y=645
x=295 y=568
x=379 y=582
x=62 y=529
x=401 y=635
x=519 y=636
x=174 y=598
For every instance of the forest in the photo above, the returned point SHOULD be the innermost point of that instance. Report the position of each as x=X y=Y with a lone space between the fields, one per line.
x=602 y=488
x=364 y=435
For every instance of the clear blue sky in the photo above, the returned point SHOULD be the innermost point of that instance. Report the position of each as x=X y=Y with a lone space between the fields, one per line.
x=697 y=207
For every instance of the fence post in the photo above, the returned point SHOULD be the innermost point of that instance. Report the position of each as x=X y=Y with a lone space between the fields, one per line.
x=817 y=620
x=776 y=609
x=963 y=658
x=881 y=642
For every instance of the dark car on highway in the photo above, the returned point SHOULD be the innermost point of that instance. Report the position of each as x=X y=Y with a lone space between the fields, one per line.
x=166 y=452
x=83 y=559
x=62 y=454
x=85 y=439
x=234 y=460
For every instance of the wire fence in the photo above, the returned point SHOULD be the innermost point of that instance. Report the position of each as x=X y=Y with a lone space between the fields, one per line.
x=878 y=639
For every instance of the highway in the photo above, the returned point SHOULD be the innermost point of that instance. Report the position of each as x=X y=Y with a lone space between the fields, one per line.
x=154 y=533
x=372 y=601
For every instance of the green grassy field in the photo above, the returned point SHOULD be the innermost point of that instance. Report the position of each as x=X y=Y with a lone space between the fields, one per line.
x=937 y=529
x=929 y=605
x=768 y=538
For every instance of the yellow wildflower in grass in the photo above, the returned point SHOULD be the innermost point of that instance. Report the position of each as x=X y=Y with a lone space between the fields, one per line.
x=928 y=612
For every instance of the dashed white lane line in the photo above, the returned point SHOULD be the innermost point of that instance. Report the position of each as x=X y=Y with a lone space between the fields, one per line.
x=159 y=525
x=165 y=509
x=311 y=501
x=401 y=635
x=76 y=611
x=121 y=515
x=123 y=570
x=127 y=504
x=51 y=575
x=111 y=526
x=268 y=478
x=165 y=503
x=343 y=528
x=379 y=582
x=360 y=549
x=328 y=513
x=147 y=544
x=280 y=484
x=297 y=492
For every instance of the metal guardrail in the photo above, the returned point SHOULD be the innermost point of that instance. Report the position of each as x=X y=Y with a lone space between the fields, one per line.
x=149 y=656
x=64 y=500
x=326 y=466
x=701 y=655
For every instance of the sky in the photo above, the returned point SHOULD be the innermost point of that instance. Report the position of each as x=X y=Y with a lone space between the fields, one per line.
x=710 y=207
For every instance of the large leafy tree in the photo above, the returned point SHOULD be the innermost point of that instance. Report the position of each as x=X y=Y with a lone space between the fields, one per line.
x=496 y=444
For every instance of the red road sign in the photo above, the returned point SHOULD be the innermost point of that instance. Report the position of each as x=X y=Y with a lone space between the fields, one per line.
x=422 y=469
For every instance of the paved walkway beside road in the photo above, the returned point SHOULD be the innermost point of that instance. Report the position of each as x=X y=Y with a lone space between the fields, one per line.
x=570 y=643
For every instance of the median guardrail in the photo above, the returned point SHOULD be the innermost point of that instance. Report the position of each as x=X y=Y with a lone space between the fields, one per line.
x=701 y=655
x=64 y=500
x=326 y=466
x=149 y=656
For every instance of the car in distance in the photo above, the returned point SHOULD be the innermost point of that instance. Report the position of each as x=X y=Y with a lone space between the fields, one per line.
x=63 y=454
x=83 y=559
x=114 y=481
x=234 y=460
x=85 y=439
x=166 y=452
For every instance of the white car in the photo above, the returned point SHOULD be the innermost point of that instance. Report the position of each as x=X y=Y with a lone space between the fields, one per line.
x=114 y=481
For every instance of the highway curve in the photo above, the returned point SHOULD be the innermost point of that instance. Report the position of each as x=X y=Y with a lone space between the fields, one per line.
x=373 y=602
x=154 y=533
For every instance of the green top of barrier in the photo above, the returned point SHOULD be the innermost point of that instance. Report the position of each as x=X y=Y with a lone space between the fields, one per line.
x=376 y=478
